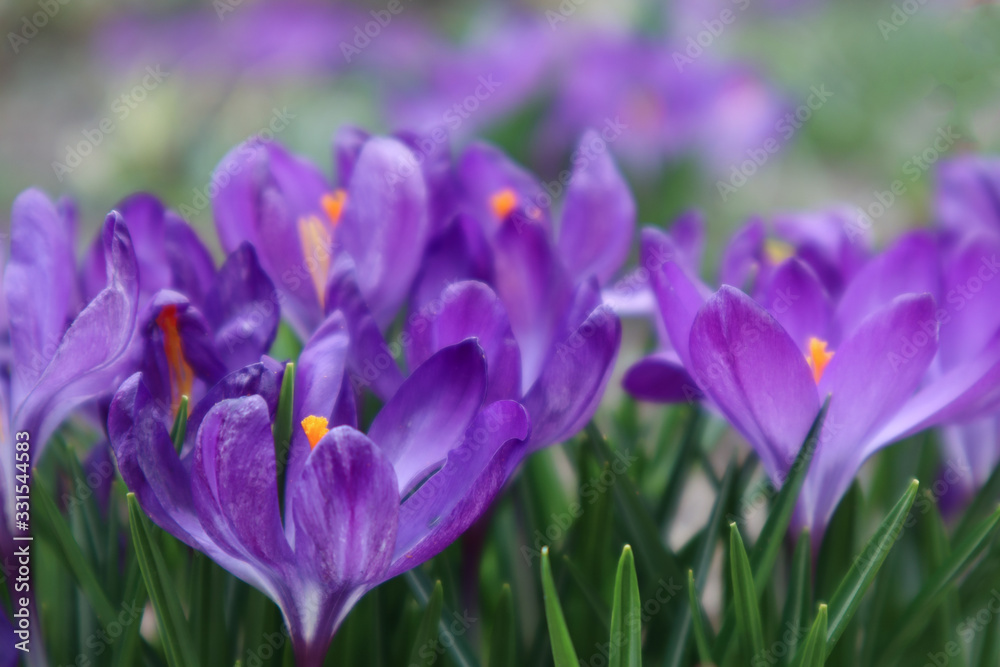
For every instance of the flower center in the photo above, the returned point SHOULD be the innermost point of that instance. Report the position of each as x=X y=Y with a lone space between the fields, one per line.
x=181 y=375
x=778 y=251
x=315 y=428
x=818 y=357
x=316 y=237
x=503 y=203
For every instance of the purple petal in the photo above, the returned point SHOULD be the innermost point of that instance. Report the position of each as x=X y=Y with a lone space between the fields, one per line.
x=242 y=307
x=795 y=297
x=967 y=195
x=197 y=345
x=385 y=226
x=430 y=412
x=678 y=295
x=573 y=379
x=191 y=265
x=319 y=381
x=756 y=374
x=437 y=513
x=869 y=378
x=465 y=310
x=347 y=145
x=688 y=232
x=145 y=216
x=970 y=317
x=371 y=363
x=909 y=266
x=38 y=287
x=484 y=172
x=255 y=380
x=346 y=511
x=826 y=242
x=661 y=378
x=234 y=482
x=967 y=391
x=598 y=218
x=459 y=252
x=91 y=357
x=263 y=193
x=741 y=258
x=535 y=291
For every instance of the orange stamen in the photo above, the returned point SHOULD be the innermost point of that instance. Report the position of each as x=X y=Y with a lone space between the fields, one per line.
x=181 y=375
x=315 y=428
x=333 y=205
x=503 y=203
x=818 y=357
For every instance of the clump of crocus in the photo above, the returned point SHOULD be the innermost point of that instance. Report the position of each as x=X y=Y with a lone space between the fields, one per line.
x=316 y=517
x=767 y=364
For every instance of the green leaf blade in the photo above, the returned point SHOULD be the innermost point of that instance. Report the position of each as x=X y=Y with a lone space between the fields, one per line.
x=745 y=596
x=563 y=652
x=626 y=615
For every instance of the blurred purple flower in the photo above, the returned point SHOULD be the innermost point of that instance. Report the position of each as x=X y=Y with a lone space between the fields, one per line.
x=300 y=225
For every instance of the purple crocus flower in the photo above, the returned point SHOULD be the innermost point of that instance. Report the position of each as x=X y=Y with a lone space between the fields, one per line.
x=358 y=508
x=532 y=297
x=962 y=386
x=298 y=224
x=766 y=364
x=60 y=357
x=967 y=196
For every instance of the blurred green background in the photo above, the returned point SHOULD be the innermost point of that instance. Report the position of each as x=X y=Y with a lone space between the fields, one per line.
x=892 y=91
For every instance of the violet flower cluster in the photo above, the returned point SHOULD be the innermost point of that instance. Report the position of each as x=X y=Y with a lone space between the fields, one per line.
x=900 y=340
x=503 y=346
x=474 y=306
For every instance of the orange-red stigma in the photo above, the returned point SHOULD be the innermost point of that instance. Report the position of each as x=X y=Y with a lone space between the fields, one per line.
x=181 y=375
x=315 y=428
x=503 y=202
x=333 y=205
x=818 y=357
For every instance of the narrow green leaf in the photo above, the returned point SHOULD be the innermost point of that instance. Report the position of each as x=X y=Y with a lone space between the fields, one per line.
x=282 y=429
x=427 y=630
x=179 y=430
x=162 y=591
x=69 y=551
x=563 y=652
x=456 y=644
x=813 y=653
x=670 y=498
x=503 y=644
x=745 y=596
x=798 y=601
x=626 y=615
x=639 y=524
x=598 y=606
x=849 y=594
x=700 y=633
x=765 y=550
x=677 y=644
x=939 y=584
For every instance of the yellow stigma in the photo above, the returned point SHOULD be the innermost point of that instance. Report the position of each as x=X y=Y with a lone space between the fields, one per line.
x=317 y=250
x=818 y=357
x=181 y=375
x=315 y=428
x=333 y=205
x=503 y=203
x=778 y=251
